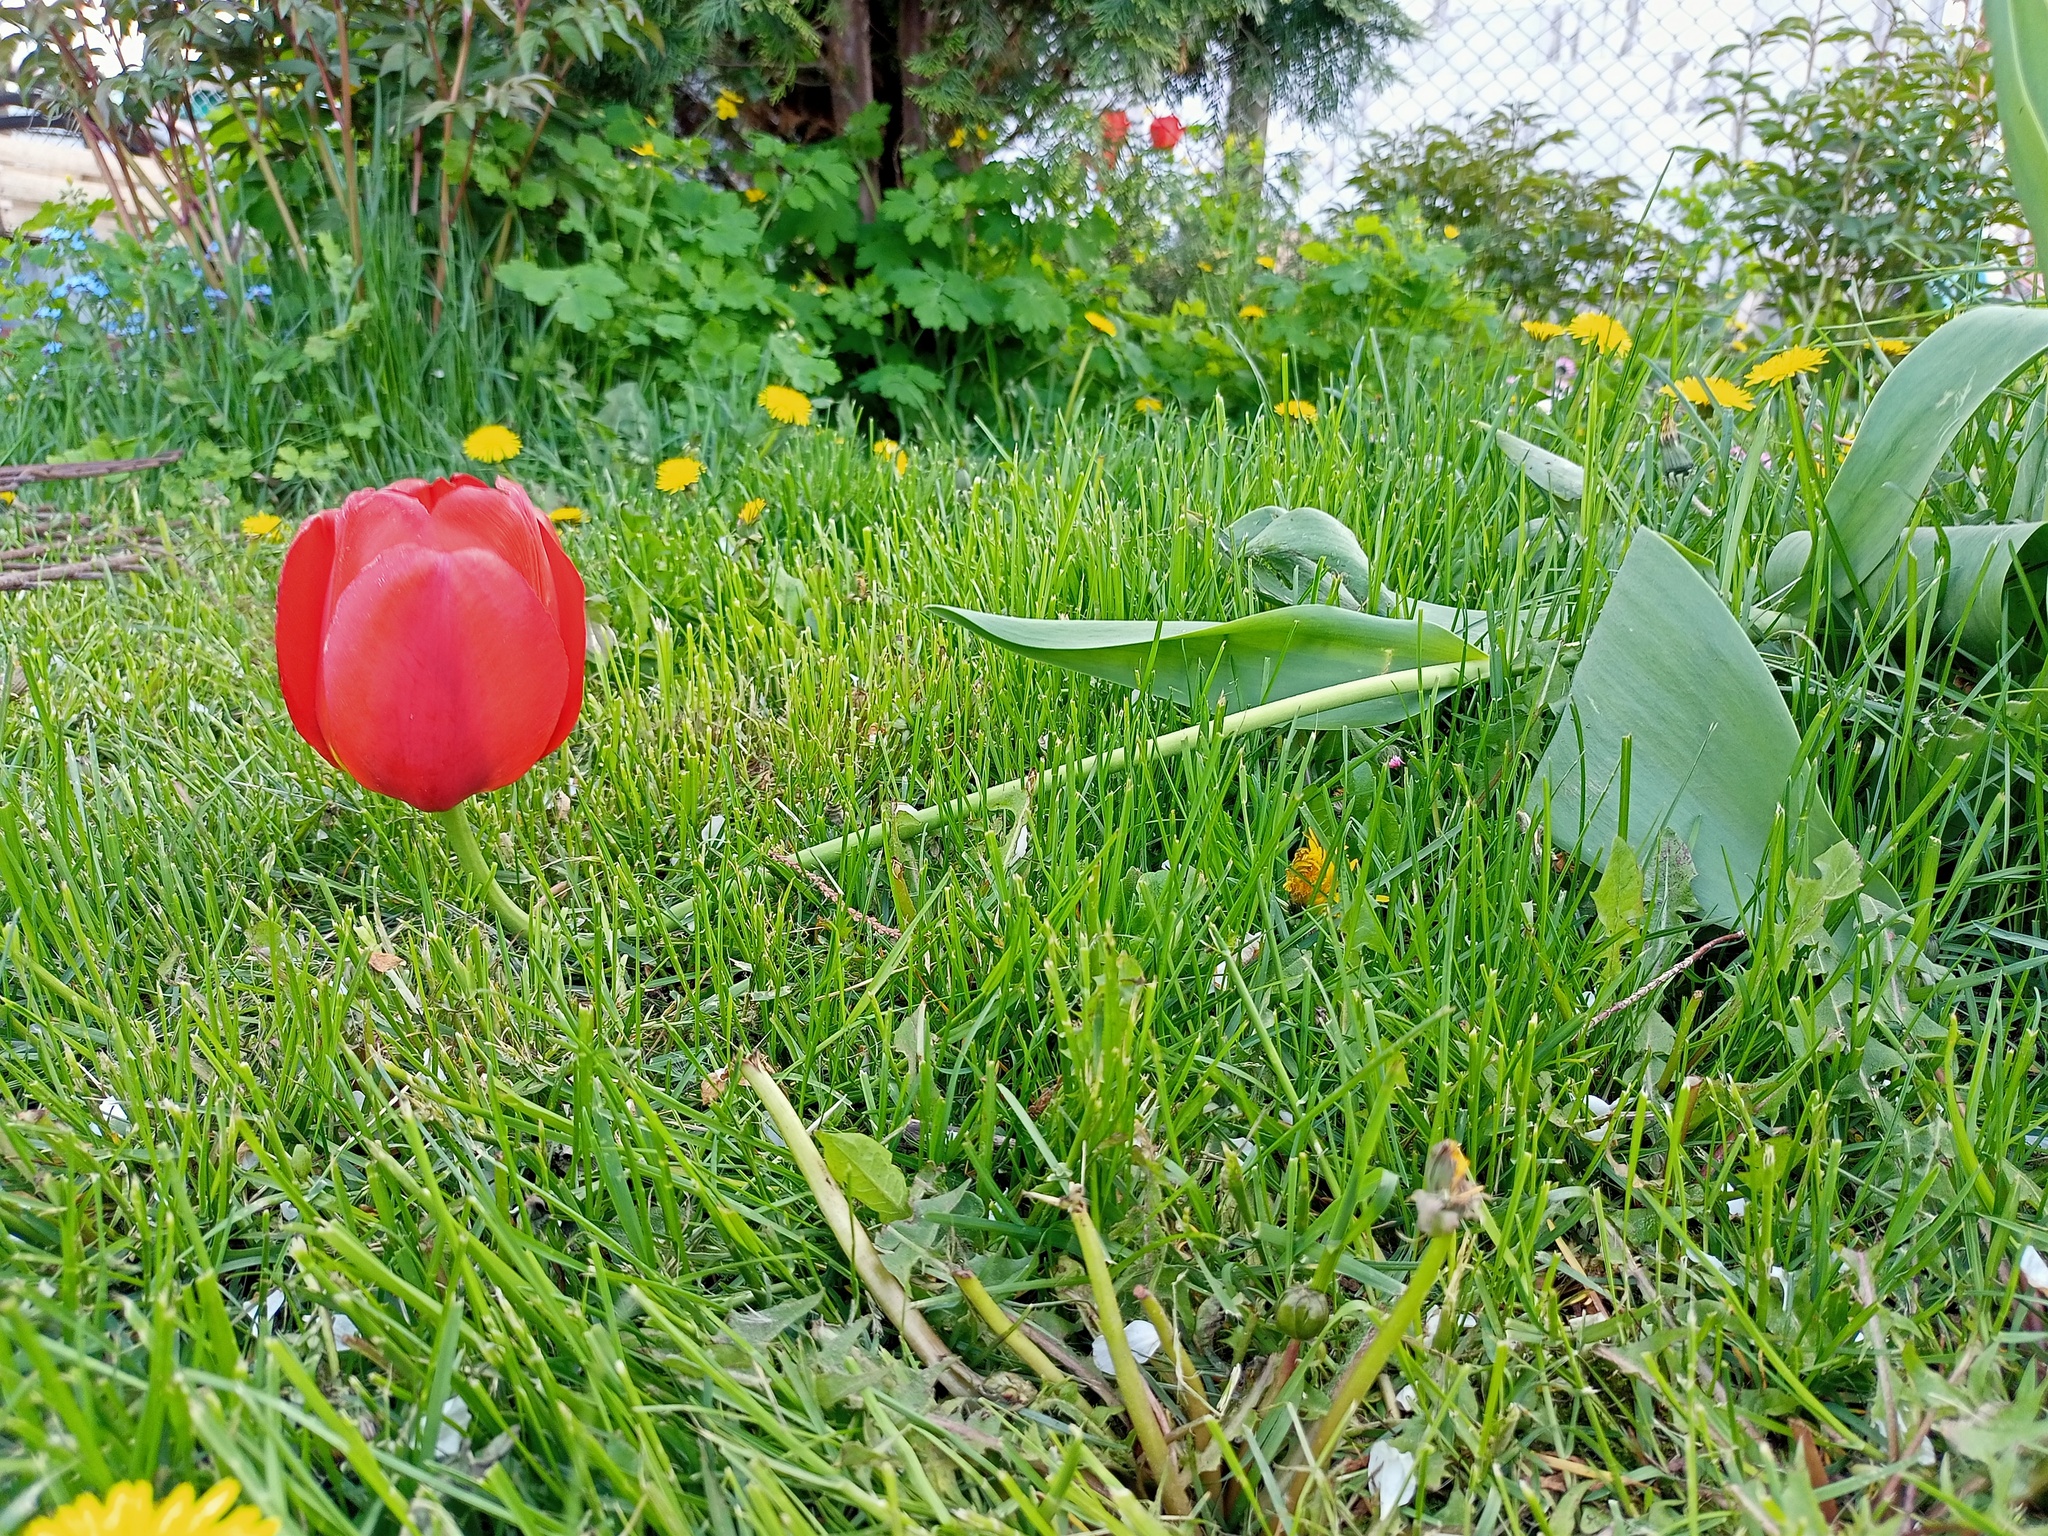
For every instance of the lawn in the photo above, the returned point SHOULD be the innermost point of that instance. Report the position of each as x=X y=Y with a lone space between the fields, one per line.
x=315 y=1175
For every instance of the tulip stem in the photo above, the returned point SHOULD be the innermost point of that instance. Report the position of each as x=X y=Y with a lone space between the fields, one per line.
x=456 y=823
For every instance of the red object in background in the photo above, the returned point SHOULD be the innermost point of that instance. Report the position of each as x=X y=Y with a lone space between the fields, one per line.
x=1166 y=132
x=430 y=638
x=1116 y=127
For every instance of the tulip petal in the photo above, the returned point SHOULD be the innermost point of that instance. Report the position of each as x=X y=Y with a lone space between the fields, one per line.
x=569 y=619
x=301 y=617
x=442 y=676
x=477 y=517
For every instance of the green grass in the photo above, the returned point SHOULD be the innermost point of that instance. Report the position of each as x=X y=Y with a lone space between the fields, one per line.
x=231 y=1121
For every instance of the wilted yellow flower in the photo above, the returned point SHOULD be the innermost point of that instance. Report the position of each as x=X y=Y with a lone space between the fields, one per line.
x=1101 y=322
x=1312 y=875
x=751 y=510
x=788 y=406
x=1300 y=410
x=1148 y=404
x=1893 y=346
x=1784 y=365
x=754 y=195
x=1268 y=263
x=1450 y=231
x=131 y=1509
x=491 y=444
x=677 y=474
x=563 y=515
x=263 y=525
x=1602 y=331
x=728 y=105
x=1543 y=330
x=1250 y=312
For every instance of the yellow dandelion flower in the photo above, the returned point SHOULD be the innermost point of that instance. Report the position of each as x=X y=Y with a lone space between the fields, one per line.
x=6 y=498
x=1268 y=263
x=1728 y=393
x=1101 y=322
x=1602 y=331
x=644 y=149
x=1312 y=875
x=1450 y=231
x=1204 y=266
x=1250 y=312
x=131 y=1509
x=491 y=444
x=901 y=462
x=564 y=515
x=751 y=510
x=678 y=474
x=1692 y=389
x=884 y=446
x=1893 y=346
x=754 y=195
x=728 y=105
x=1299 y=410
x=1543 y=330
x=1148 y=405
x=982 y=133
x=263 y=525
x=959 y=137
x=1788 y=364
x=790 y=407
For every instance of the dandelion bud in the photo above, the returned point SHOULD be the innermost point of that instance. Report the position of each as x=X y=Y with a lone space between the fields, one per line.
x=1304 y=1312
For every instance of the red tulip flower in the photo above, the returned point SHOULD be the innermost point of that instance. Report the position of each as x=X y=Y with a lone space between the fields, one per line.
x=1116 y=127
x=430 y=638
x=1166 y=132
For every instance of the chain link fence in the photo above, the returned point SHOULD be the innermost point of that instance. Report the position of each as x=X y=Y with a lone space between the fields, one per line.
x=1629 y=77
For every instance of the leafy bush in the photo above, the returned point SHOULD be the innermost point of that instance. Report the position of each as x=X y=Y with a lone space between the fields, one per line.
x=1548 y=236
x=1879 y=176
x=990 y=287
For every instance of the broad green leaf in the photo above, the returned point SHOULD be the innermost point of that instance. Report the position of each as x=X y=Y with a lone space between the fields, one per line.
x=1257 y=660
x=1988 y=581
x=1930 y=396
x=863 y=1168
x=1618 y=898
x=1555 y=473
x=1287 y=546
x=2019 y=69
x=1713 y=746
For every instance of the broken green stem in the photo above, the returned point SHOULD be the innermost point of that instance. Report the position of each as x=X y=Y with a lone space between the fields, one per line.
x=911 y=822
x=455 y=822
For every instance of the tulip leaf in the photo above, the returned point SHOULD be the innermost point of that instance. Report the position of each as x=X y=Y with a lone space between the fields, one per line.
x=1986 y=582
x=1930 y=396
x=863 y=1168
x=1669 y=679
x=2019 y=71
x=1553 y=471
x=1261 y=659
x=1287 y=546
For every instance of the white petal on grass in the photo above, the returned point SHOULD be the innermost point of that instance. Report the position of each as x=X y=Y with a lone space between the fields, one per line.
x=345 y=1331
x=1598 y=1107
x=114 y=1115
x=2033 y=1268
x=1784 y=1283
x=1140 y=1335
x=1405 y=1399
x=454 y=1435
x=272 y=1305
x=1392 y=1471
x=1738 y=1208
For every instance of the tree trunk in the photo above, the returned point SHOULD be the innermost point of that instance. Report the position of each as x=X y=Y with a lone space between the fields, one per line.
x=913 y=28
x=1250 y=108
x=850 y=68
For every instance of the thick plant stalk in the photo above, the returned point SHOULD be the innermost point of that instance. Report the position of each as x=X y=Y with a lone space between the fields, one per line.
x=1008 y=1331
x=889 y=1295
x=917 y=821
x=471 y=858
x=1130 y=1381
x=1194 y=1403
